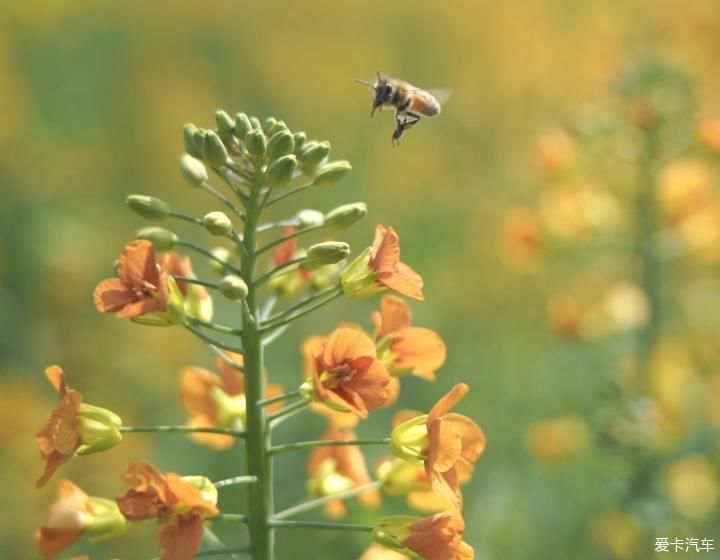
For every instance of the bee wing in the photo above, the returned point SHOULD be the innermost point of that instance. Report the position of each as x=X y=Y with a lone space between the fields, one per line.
x=442 y=95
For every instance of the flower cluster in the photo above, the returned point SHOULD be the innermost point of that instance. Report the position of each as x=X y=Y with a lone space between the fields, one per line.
x=268 y=279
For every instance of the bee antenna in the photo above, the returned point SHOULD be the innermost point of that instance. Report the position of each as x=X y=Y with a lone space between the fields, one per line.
x=378 y=75
x=364 y=82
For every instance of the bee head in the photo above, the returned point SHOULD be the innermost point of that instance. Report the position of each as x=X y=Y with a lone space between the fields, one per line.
x=383 y=93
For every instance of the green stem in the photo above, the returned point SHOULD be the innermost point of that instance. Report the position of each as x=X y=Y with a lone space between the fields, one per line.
x=191 y=280
x=281 y=196
x=222 y=173
x=182 y=430
x=197 y=332
x=245 y=479
x=238 y=517
x=190 y=245
x=279 y=398
x=274 y=334
x=258 y=441
x=225 y=358
x=222 y=198
x=288 y=411
x=214 y=326
x=221 y=551
x=277 y=270
x=326 y=443
x=318 y=502
x=279 y=524
x=211 y=539
x=277 y=224
x=292 y=235
x=290 y=318
x=309 y=301
x=186 y=217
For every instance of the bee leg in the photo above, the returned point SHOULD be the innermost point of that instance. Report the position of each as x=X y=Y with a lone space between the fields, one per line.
x=408 y=122
x=399 y=130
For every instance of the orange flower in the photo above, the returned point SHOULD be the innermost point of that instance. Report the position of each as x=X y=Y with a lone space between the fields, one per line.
x=197 y=299
x=217 y=401
x=180 y=504
x=379 y=268
x=403 y=348
x=521 y=240
x=141 y=286
x=73 y=427
x=346 y=374
x=337 y=468
x=438 y=537
x=73 y=514
x=405 y=478
x=447 y=443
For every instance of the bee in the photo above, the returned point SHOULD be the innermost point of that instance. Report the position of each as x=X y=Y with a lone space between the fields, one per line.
x=410 y=102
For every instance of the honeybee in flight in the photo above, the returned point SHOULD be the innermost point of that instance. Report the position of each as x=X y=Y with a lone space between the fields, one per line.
x=410 y=102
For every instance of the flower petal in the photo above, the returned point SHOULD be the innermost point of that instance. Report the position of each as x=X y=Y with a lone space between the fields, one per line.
x=447 y=402
x=137 y=265
x=404 y=280
x=195 y=391
x=181 y=539
x=393 y=316
x=112 y=295
x=419 y=350
x=385 y=250
x=346 y=344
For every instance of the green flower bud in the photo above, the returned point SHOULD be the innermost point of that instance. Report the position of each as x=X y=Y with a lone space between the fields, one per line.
x=277 y=127
x=280 y=144
x=331 y=173
x=189 y=135
x=327 y=252
x=255 y=142
x=344 y=216
x=217 y=223
x=390 y=531
x=256 y=124
x=102 y=520
x=221 y=254
x=149 y=207
x=300 y=138
x=309 y=218
x=225 y=124
x=326 y=277
x=193 y=170
x=280 y=172
x=314 y=153
x=409 y=440
x=213 y=150
x=207 y=488
x=162 y=238
x=233 y=287
x=99 y=429
x=242 y=125
x=270 y=122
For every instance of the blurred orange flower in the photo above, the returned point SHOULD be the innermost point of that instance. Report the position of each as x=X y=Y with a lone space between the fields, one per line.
x=708 y=128
x=73 y=514
x=346 y=374
x=456 y=442
x=556 y=153
x=402 y=347
x=521 y=239
x=179 y=504
x=555 y=440
x=217 y=401
x=337 y=468
x=141 y=286
x=405 y=478
x=59 y=437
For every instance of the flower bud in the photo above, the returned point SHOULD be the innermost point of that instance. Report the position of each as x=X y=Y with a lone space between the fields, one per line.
x=390 y=531
x=105 y=521
x=399 y=477
x=242 y=125
x=191 y=145
x=99 y=429
x=299 y=138
x=221 y=254
x=410 y=439
x=326 y=481
x=217 y=223
x=344 y=216
x=290 y=285
x=314 y=153
x=326 y=277
x=269 y=123
x=280 y=172
x=255 y=122
x=193 y=170
x=327 y=252
x=255 y=142
x=309 y=218
x=225 y=124
x=149 y=207
x=277 y=127
x=213 y=150
x=280 y=144
x=231 y=410
x=162 y=238
x=331 y=173
x=358 y=279
x=233 y=287
x=207 y=489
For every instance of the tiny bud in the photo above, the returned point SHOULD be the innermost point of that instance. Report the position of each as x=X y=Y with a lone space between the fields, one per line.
x=331 y=173
x=255 y=123
x=327 y=252
x=193 y=170
x=280 y=172
x=269 y=123
x=277 y=127
x=222 y=254
x=213 y=150
x=225 y=124
x=217 y=223
x=309 y=218
x=189 y=135
x=344 y=216
x=409 y=441
x=242 y=125
x=99 y=429
x=280 y=144
x=300 y=138
x=233 y=287
x=314 y=153
x=149 y=207
x=162 y=238
x=255 y=142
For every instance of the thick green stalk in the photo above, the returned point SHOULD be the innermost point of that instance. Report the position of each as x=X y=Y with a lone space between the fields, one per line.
x=258 y=428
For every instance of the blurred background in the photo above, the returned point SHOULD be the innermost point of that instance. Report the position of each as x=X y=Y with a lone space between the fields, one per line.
x=521 y=206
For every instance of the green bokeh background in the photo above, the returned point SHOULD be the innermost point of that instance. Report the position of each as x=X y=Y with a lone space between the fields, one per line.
x=94 y=95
